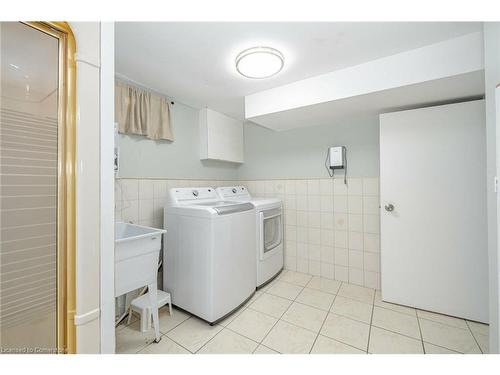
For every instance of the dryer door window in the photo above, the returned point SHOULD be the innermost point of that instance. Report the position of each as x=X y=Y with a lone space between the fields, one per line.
x=272 y=231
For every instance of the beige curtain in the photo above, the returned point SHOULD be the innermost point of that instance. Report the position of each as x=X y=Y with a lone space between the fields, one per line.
x=140 y=112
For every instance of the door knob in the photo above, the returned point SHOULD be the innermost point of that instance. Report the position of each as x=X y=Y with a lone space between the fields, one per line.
x=389 y=207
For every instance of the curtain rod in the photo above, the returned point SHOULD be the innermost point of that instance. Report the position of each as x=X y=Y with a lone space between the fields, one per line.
x=124 y=78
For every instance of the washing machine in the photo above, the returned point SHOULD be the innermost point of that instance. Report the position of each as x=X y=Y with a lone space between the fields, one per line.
x=268 y=231
x=209 y=252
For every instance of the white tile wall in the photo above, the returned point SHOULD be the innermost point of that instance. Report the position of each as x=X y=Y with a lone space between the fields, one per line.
x=141 y=201
x=331 y=230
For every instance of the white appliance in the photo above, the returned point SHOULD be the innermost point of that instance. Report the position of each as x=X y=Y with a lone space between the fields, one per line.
x=269 y=231
x=209 y=252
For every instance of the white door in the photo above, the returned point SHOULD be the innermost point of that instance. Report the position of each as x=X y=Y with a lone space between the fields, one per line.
x=434 y=240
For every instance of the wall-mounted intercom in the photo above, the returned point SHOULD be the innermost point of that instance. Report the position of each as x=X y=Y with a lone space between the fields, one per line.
x=336 y=158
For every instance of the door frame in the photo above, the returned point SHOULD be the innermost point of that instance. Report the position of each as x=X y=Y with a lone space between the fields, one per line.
x=66 y=183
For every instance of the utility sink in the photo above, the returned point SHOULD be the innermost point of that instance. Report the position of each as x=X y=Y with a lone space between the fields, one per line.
x=137 y=249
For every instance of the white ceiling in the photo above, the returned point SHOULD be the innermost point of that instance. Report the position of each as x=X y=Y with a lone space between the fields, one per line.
x=439 y=91
x=194 y=62
x=34 y=57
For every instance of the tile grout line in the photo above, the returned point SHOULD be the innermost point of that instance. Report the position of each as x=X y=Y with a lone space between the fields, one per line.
x=259 y=345
x=391 y=330
x=303 y=303
x=371 y=321
x=171 y=329
x=280 y=318
x=211 y=338
x=421 y=335
x=443 y=347
x=324 y=320
x=444 y=324
x=397 y=333
x=474 y=337
x=182 y=346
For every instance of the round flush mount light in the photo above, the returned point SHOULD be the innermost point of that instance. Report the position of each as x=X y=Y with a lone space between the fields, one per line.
x=259 y=62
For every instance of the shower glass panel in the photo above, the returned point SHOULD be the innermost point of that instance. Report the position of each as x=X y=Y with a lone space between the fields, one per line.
x=28 y=189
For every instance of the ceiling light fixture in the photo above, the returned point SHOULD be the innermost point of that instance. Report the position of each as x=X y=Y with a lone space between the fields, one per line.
x=259 y=62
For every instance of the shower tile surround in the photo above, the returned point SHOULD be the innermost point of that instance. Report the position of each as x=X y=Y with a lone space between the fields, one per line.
x=330 y=229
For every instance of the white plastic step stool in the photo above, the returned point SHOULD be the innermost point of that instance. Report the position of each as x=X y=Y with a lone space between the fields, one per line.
x=142 y=306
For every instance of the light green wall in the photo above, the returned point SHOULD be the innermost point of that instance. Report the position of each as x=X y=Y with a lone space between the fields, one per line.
x=142 y=157
x=298 y=153
x=301 y=153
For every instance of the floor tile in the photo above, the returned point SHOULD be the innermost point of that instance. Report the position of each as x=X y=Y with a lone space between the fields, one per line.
x=324 y=285
x=285 y=290
x=325 y=345
x=282 y=273
x=266 y=287
x=444 y=319
x=271 y=305
x=316 y=298
x=288 y=326
x=168 y=322
x=289 y=339
x=125 y=323
x=352 y=309
x=261 y=349
x=386 y=342
x=434 y=349
x=346 y=330
x=229 y=342
x=480 y=328
x=305 y=316
x=255 y=296
x=392 y=306
x=228 y=319
x=396 y=322
x=356 y=292
x=193 y=333
x=130 y=339
x=449 y=337
x=483 y=341
x=165 y=346
x=252 y=324
x=297 y=278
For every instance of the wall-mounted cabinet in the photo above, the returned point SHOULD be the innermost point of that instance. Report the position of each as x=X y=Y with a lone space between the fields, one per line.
x=221 y=137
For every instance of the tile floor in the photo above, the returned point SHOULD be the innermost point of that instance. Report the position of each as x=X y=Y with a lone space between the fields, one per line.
x=299 y=313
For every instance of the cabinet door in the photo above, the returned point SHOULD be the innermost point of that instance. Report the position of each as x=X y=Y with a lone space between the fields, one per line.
x=224 y=137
